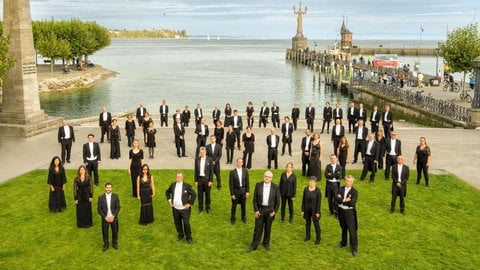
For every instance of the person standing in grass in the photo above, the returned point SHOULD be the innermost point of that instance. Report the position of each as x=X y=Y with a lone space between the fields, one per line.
x=108 y=208
x=400 y=174
x=288 y=189
x=422 y=160
x=57 y=180
x=83 y=194
x=145 y=194
x=135 y=160
x=239 y=190
x=347 y=214
x=266 y=200
x=181 y=198
x=151 y=141
x=311 y=202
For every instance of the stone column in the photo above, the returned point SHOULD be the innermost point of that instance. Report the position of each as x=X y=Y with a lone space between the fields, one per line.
x=21 y=101
x=474 y=111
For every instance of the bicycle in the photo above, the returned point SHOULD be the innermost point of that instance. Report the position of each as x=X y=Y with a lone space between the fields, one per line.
x=451 y=86
x=465 y=96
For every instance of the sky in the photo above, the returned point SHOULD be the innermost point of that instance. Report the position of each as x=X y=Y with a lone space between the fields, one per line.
x=270 y=19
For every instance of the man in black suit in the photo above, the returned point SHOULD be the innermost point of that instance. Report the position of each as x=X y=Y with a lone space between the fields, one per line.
x=306 y=141
x=179 y=131
x=104 y=121
x=203 y=178
x=237 y=125
x=177 y=115
x=361 y=113
x=310 y=116
x=108 y=208
x=216 y=115
x=266 y=200
x=347 y=214
x=181 y=198
x=375 y=119
x=198 y=113
x=287 y=132
x=202 y=134
x=333 y=174
x=164 y=113
x=295 y=115
x=337 y=113
x=186 y=116
x=327 y=116
x=214 y=151
x=352 y=117
x=387 y=122
x=275 y=115
x=272 y=143
x=91 y=157
x=400 y=174
x=361 y=133
x=393 y=150
x=66 y=137
x=140 y=114
x=338 y=131
x=372 y=151
x=239 y=190
x=264 y=112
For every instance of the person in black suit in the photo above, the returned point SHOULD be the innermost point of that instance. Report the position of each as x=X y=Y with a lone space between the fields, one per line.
x=140 y=114
x=239 y=183
x=311 y=202
x=66 y=137
x=198 y=113
x=333 y=174
x=310 y=116
x=163 y=113
x=91 y=157
x=176 y=115
x=375 y=119
x=237 y=124
x=275 y=115
x=400 y=175
x=347 y=214
x=272 y=143
x=287 y=132
x=337 y=113
x=393 y=148
x=186 y=116
x=372 y=151
x=202 y=134
x=230 y=139
x=288 y=190
x=266 y=200
x=361 y=133
x=361 y=113
x=216 y=115
x=264 y=112
x=179 y=131
x=108 y=208
x=181 y=206
x=104 y=121
x=352 y=117
x=214 y=151
x=338 y=131
x=203 y=178
x=387 y=121
x=295 y=115
x=306 y=142
x=327 y=116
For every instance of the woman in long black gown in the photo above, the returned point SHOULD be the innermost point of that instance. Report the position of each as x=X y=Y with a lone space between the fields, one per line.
x=57 y=180
x=248 y=141
x=343 y=154
x=82 y=194
x=146 y=192
x=315 y=164
x=114 y=139
x=135 y=161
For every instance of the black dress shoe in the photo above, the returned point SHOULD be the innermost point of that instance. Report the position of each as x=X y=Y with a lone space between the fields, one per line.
x=105 y=247
x=244 y=220
x=392 y=210
x=317 y=242
x=340 y=245
x=306 y=238
x=180 y=238
x=354 y=253
x=232 y=221
x=68 y=161
x=115 y=246
x=251 y=249
x=267 y=247
x=199 y=210
x=189 y=241
x=208 y=210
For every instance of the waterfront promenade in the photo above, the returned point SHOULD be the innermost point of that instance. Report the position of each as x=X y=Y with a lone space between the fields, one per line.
x=453 y=150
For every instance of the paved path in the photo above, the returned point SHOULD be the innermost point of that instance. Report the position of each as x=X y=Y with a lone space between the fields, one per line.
x=453 y=150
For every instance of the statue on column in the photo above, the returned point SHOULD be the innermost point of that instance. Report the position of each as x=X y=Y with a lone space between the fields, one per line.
x=300 y=13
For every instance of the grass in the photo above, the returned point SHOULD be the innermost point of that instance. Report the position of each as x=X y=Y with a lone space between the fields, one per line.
x=440 y=230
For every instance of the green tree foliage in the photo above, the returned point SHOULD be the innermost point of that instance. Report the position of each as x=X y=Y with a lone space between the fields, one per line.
x=6 y=63
x=461 y=48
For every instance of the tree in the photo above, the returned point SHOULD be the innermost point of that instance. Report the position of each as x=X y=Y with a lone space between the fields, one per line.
x=461 y=48
x=6 y=63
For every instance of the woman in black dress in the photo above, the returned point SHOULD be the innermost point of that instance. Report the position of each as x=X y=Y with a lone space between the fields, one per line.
x=230 y=139
x=57 y=179
x=219 y=132
x=343 y=154
x=311 y=202
x=114 y=139
x=146 y=192
x=315 y=164
x=146 y=123
x=250 y=111
x=83 y=194
x=422 y=160
x=135 y=160
x=248 y=143
x=288 y=189
x=383 y=148
x=150 y=141
x=130 y=129
x=228 y=115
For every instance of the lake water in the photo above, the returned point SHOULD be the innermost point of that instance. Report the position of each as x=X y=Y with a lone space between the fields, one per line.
x=191 y=71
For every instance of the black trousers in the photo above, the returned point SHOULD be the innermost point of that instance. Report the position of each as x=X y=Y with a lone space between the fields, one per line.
x=326 y=121
x=294 y=120
x=289 y=143
x=374 y=127
x=263 y=224
x=105 y=227
x=276 y=120
x=310 y=217
x=240 y=198
x=398 y=192
x=164 y=119
x=66 y=149
x=422 y=167
x=359 y=148
x=92 y=168
x=386 y=130
x=351 y=125
x=305 y=163
x=286 y=199
x=331 y=189
x=104 y=130
x=203 y=189
x=229 y=151
x=369 y=165
x=389 y=162
x=216 y=171
x=237 y=134
x=272 y=155
x=247 y=159
x=263 y=120
x=180 y=145
x=310 y=122
x=181 y=218
x=347 y=218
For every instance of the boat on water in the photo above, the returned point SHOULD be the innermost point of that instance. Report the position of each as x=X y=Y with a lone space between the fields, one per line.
x=385 y=60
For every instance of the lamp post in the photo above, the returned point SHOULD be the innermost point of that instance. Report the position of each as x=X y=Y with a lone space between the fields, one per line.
x=476 y=93
x=436 y=64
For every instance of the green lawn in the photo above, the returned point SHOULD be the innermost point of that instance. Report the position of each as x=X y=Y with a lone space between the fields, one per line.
x=440 y=230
